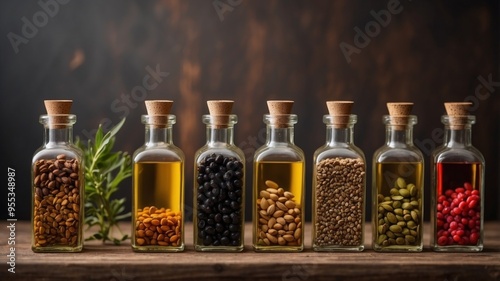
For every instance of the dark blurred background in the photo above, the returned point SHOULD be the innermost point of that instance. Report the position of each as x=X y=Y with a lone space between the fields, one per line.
x=372 y=52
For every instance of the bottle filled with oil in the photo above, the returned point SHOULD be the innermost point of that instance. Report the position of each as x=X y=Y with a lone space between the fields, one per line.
x=158 y=185
x=397 y=208
x=457 y=178
x=219 y=184
x=278 y=185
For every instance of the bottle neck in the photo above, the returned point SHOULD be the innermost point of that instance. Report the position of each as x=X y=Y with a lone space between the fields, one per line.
x=457 y=137
x=219 y=135
x=58 y=136
x=338 y=136
x=158 y=135
x=277 y=135
x=398 y=137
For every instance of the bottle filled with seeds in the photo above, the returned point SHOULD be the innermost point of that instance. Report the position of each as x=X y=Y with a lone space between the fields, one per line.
x=158 y=185
x=398 y=185
x=278 y=185
x=57 y=184
x=457 y=198
x=219 y=179
x=339 y=184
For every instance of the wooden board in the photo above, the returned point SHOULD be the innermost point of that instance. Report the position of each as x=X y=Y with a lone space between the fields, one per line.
x=110 y=262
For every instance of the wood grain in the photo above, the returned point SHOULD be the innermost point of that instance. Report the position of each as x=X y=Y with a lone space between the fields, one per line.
x=107 y=262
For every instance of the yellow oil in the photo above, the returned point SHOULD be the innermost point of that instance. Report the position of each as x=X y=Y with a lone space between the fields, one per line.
x=387 y=173
x=158 y=184
x=290 y=177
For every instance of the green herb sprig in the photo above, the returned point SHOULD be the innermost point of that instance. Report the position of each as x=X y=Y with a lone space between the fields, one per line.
x=104 y=171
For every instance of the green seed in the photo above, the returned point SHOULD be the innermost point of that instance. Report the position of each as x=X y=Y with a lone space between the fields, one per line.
x=404 y=192
x=410 y=238
x=381 y=209
x=381 y=221
x=400 y=241
x=380 y=198
x=414 y=216
x=387 y=198
x=391 y=217
x=401 y=223
x=397 y=197
x=396 y=204
x=401 y=183
x=407 y=217
x=400 y=218
x=398 y=211
x=387 y=207
x=411 y=225
x=412 y=188
x=413 y=233
x=394 y=191
x=415 y=203
x=381 y=229
x=386 y=243
x=381 y=238
x=392 y=241
x=390 y=234
x=395 y=228
x=405 y=231
x=407 y=206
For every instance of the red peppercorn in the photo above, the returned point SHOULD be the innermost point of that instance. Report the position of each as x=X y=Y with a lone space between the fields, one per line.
x=458 y=216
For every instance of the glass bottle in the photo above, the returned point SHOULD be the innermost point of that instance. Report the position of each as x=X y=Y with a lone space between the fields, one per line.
x=278 y=185
x=398 y=185
x=457 y=199
x=58 y=184
x=339 y=185
x=219 y=187
x=158 y=185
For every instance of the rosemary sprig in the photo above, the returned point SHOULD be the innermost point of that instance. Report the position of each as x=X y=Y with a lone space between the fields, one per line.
x=104 y=170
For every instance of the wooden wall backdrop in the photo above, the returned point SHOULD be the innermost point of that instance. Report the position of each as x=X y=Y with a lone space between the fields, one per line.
x=98 y=52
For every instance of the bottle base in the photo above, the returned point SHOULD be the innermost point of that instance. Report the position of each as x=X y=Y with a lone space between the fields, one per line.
x=278 y=249
x=157 y=249
x=56 y=249
x=337 y=248
x=458 y=248
x=398 y=248
x=199 y=248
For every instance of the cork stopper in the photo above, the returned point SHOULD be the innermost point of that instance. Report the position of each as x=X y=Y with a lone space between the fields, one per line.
x=457 y=112
x=59 y=111
x=158 y=111
x=399 y=111
x=341 y=112
x=280 y=109
x=220 y=111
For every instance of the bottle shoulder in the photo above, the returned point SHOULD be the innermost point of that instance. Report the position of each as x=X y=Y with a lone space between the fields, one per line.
x=398 y=154
x=71 y=151
x=452 y=154
x=350 y=151
x=288 y=152
x=161 y=153
x=225 y=149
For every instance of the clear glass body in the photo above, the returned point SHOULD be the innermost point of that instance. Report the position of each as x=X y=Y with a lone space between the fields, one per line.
x=219 y=190
x=338 y=190
x=398 y=179
x=58 y=189
x=457 y=198
x=278 y=190
x=158 y=191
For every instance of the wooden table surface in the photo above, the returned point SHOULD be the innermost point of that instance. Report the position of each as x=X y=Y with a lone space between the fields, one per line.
x=108 y=262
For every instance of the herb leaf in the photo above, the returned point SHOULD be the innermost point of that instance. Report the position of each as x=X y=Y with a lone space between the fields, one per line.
x=104 y=171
